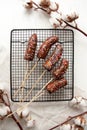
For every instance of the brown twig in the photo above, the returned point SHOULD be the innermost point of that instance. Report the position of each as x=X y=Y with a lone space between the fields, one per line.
x=8 y=104
x=78 y=29
x=15 y=119
x=69 y=119
x=39 y=7
x=46 y=11
x=17 y=122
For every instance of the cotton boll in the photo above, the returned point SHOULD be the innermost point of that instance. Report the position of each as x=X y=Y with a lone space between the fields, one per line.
x=70 y=17
x=77 y=121
x=76 y=127
x=77 y=102
x=72 y=102
x=82 y=103
x=78 y=98
x=73 y=127
x=54 y=6
x=45 y=3
x=74 y=15
x=19 y=113
x=27 y=1
x=65 y=127
x=3 y=86
x=81 y=121
x=7 y=108
x=54 y=22
x=28 y=4
x=38 y=2
x=4 y=110
x=24 y=113
x=31 y=123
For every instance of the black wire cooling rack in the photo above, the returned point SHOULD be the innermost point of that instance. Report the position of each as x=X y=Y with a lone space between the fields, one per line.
x=19 y=38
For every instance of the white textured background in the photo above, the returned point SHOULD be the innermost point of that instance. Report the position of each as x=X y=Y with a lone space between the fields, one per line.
x=12 y=16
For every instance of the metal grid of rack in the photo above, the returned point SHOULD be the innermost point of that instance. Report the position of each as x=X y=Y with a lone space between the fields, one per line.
x=19 y=38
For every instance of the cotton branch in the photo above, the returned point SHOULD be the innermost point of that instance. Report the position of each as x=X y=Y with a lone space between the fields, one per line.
x=78 y=29
x=4 y=102
x=69 y=119
x=48 y=7
x=78 y=102
x=38 y=7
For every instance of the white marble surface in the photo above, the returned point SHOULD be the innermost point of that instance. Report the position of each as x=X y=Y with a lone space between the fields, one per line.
x=13 y=15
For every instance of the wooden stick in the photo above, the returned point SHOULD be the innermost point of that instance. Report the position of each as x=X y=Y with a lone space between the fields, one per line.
x=37 y=81
x=27 y=75
x=35 y=65
x=27 y=104
x=23 y=82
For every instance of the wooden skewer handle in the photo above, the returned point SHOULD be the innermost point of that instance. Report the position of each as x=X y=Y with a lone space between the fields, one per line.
x=35 y=97
x=38 y=80
x=27 y=75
